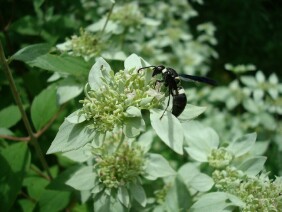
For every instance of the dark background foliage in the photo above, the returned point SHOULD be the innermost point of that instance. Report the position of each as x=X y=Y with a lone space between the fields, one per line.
x=247 y=31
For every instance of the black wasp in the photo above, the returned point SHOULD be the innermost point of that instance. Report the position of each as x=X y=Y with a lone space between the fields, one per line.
x=171 y=79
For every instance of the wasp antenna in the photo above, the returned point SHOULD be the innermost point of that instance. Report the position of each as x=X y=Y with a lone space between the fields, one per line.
x=145 y=68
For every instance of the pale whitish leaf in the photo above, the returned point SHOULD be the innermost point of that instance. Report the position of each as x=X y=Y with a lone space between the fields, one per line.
x=191 y=112
x=76 y=118
x=157 y=166
x=249 y=81
x=258 y=94
x=70 y=137
x=197 y=154
x=260 y=148
x=268 y=120
x=145 y=140
x=54 y=77
x=133 y=126
x=260 y=77
x=217 y=201
x=83 y=179
x=193 y=178
x=119 y=55
x=178 y=197
x=200 y=139
x=273 y=79
x=251 y=105
x=43 y=107
x=98 y=188
x=100 y=69
x=253 y=165
x=168 y=128
x=84 y=196
x=202 y=182
x=67 y=90
x=133 y=61
x=9 y=116
x=150 y=22
x=102 y=202
x=138 y=193
x=242 y=145
x=132 y=111
x=123 y=196
x=77 y=155
x=98 y=139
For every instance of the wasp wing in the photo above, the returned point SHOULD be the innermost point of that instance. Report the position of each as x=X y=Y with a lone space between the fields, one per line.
x=187 y=77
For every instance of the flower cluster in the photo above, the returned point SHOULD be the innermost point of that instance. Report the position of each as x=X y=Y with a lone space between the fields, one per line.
x=121 y=167
x=86 y=44
x=106 y=107
x=220 y=158
x=259 y=193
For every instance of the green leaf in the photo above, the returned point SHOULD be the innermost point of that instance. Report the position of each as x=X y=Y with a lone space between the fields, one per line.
x=191 y=112
x=59 y=183
x=253 y=165
x=31 y=52
x=68 y=89
x=26 y=205
x=193 y=178
x=123 y=196
x=217 y=201
x=9 y=116
x=66 y=64
x=35 y=186
x=242 y=145
x=76 y=118
x=169 y=129
x=157 y=166
x=83 y=179
x=71 y=137
x=201 y=140
x=44 y=107
x=100 y=69
x=53 y=201
x=138 y=193
x=14 y=161
x=4 y=131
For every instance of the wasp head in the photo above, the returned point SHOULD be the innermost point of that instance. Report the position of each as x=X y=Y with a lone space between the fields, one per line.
x=158 y=70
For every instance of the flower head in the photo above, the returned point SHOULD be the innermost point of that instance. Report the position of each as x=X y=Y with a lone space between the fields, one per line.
x=220 y=158
x=120 y=167
x=107 y=106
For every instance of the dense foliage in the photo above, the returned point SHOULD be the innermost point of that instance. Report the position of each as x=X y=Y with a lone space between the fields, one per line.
x=80 y=126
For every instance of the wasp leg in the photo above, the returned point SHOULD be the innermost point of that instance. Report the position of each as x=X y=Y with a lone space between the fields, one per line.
x=167 y=104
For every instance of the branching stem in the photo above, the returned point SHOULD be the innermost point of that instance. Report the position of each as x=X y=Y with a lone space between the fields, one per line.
x=33 y=138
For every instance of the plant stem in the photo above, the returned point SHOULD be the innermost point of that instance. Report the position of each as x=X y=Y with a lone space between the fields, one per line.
x=121 y=141
x=33 y=139
x=108 y=18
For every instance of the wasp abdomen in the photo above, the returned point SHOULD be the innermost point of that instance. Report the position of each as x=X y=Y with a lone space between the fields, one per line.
x=179 y=102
